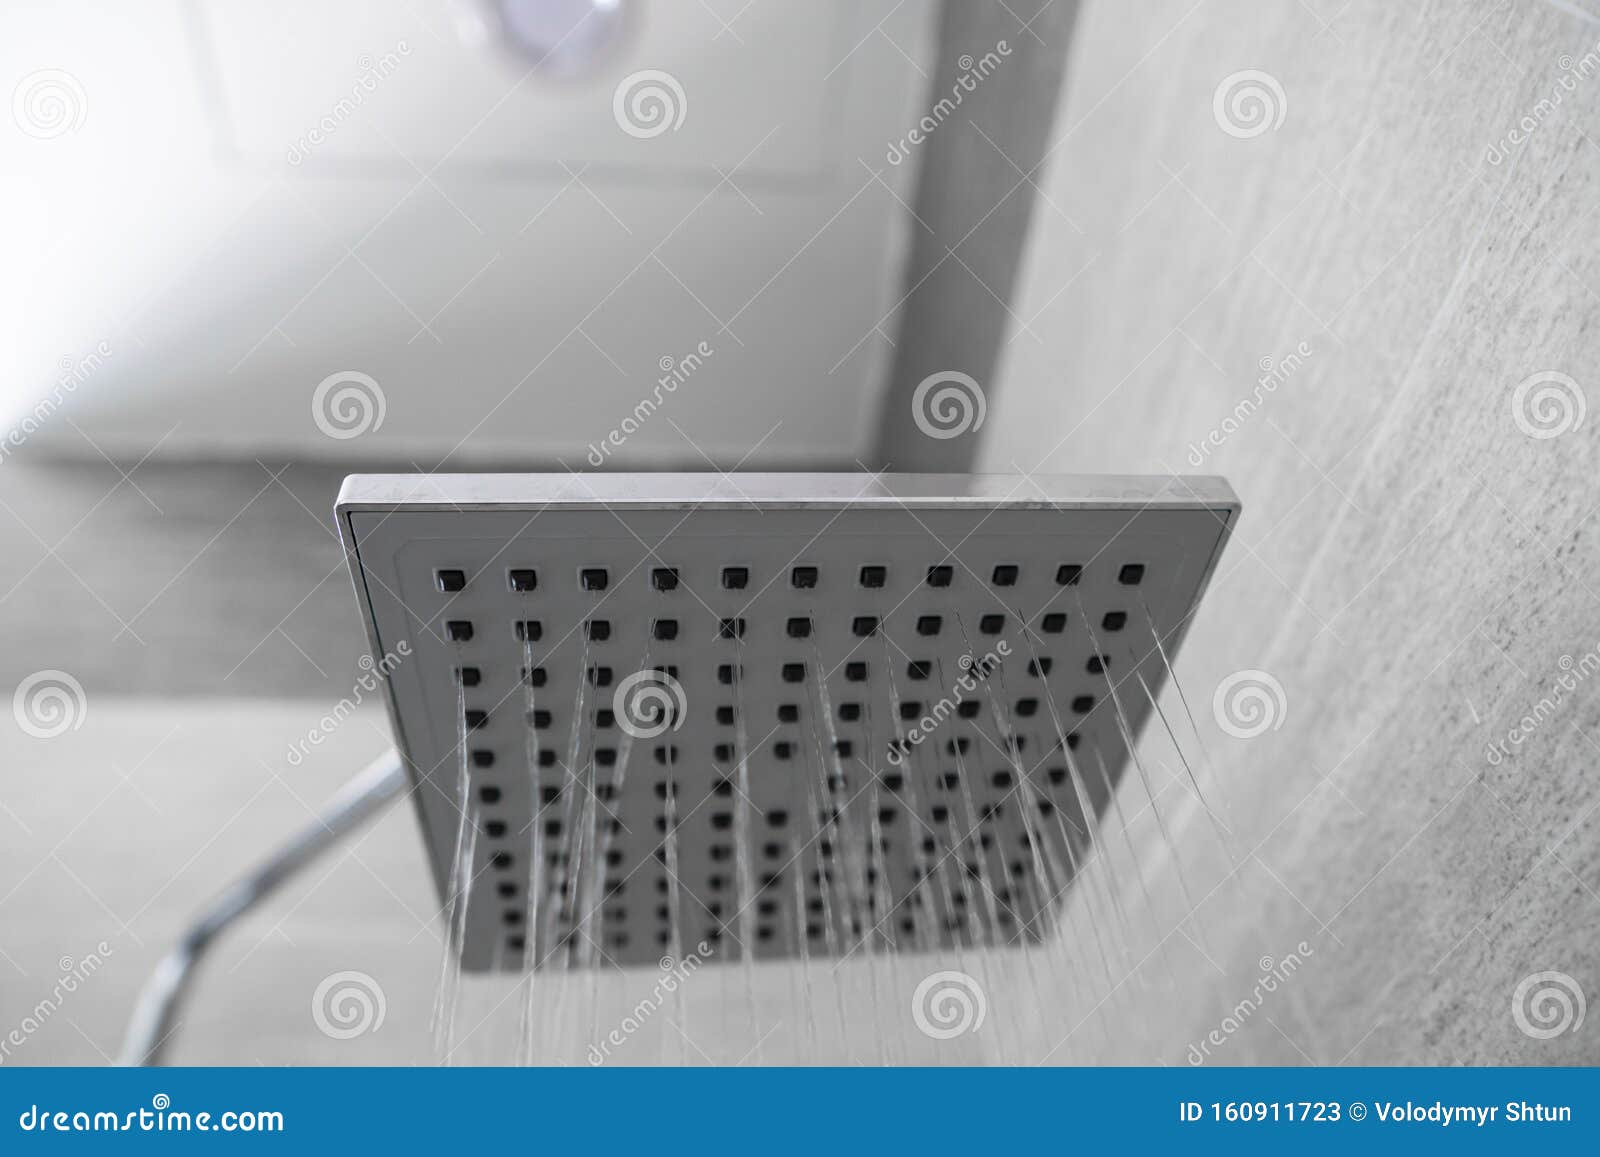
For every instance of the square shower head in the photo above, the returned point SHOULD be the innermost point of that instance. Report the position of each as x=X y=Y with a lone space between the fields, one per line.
x=782 y=715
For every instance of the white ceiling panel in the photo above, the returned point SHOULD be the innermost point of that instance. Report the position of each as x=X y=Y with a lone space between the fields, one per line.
x=490 y=108
x=508 y=264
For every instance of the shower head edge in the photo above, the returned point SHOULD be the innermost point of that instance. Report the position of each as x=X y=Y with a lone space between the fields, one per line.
x=782 y=490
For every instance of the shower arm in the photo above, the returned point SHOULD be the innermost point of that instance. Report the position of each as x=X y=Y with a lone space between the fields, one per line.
x=155 y=1014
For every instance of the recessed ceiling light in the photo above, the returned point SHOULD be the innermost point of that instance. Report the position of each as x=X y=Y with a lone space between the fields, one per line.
x=558 y=37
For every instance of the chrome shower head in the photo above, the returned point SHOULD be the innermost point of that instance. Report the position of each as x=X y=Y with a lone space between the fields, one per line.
x=786 y=715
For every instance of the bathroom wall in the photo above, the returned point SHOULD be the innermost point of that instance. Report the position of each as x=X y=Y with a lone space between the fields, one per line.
x=1416 y=564
x=1415 y=569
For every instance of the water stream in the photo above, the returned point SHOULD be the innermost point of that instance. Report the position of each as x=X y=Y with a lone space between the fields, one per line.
x=992 y=846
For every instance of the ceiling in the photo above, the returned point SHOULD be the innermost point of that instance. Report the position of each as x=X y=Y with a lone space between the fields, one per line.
x=226 y=205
